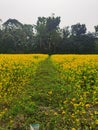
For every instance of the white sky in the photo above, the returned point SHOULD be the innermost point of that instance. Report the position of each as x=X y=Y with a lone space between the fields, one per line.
x=70 y=11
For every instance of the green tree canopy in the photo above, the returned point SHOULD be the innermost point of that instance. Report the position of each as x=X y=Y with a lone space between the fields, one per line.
x=12 y=24
x=78 y=29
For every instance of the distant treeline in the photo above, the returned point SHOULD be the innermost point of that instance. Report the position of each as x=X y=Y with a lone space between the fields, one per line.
x=47 y=37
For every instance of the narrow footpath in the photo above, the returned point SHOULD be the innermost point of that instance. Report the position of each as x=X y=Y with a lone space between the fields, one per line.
x=46 y=82
x=45 y=93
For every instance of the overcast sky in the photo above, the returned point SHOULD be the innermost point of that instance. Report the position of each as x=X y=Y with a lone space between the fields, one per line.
x=70 y=11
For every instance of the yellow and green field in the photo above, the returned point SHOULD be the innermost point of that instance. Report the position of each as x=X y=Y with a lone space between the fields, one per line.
x=60 y=92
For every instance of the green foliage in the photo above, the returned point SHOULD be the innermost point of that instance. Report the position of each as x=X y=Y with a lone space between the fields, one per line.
x=46 y=37
x=12 y=24
x=78 y=29
x=96 y=47
x=96 y=28
x=47 y=34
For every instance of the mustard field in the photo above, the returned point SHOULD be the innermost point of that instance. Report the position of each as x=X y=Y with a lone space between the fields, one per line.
x=59 y=92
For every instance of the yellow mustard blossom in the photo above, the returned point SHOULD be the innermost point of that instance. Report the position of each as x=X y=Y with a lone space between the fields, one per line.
x=96 y=122
x=73 y=129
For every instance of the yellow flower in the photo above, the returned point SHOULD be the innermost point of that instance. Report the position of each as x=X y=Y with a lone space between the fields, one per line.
x=94 y=92
x=76 y=105
x=96 y=122
x=73 y=129
x=55 y=113
x=84 y=77
x=74 y=99
x=11 y=121
x=63 y=112
x=77 y=120
x=50 y=92
x=73 y=115
x=96 y=112
x=96 y=103
x=87 y=105
x=65 y=102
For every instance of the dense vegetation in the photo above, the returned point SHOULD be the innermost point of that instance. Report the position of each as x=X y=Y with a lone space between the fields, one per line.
x=59 y=92
x=46 y=37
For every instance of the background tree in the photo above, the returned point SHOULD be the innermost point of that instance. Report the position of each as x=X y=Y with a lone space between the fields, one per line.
x=96 y=39
x=12 y=24
x=53 y=32
x=96 y=28
x=64 y=45
x=47 y=37
x=22 y=37
x=47 y=32
x=7 y=45
x=78 y=29
x=41 y=35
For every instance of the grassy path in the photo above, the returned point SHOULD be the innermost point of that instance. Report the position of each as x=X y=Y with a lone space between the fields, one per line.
x=43 y=90
x=46 y=78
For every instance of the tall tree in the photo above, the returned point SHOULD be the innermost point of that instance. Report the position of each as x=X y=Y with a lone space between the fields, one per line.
x=7 y=45
x=96 y=34
x=29 y=35
x=53 y=32
x=41 y=36
x=96 y=28
x=65 y=32
x=0 y=24
x=78 y=29
x=12 y=24
x=47 y=32
x=22 y=36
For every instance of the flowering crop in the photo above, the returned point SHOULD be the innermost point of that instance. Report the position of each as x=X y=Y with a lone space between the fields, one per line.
x=79 y=78
x=15 y=72
x=60 y=92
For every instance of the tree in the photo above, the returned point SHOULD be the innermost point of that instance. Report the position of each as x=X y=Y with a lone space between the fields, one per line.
x=78 y=29
x=22 y=36
x=29 y=35
x=46 y=37
x=65 y=32
x=7 y=45
x=12 y=24
x=47 y=32
x=52 y=23
x=53 y=32
x=96 y=28
x=41 y=36
x=0 y=24
x=96 y=35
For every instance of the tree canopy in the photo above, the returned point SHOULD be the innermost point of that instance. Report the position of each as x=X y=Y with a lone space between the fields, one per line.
x=46 y=36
